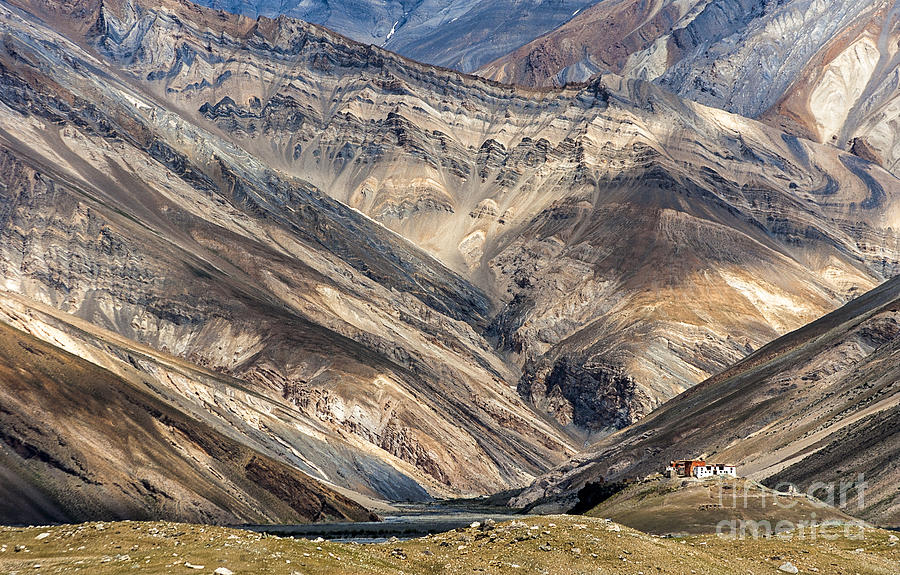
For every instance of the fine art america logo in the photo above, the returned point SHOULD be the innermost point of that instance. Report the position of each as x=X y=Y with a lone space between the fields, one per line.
x=806 y=525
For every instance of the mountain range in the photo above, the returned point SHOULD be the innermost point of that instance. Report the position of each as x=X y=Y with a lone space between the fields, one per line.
x=461 y=34
x=396 y=281
x=133 y=218
x=569 y=209
x=825 y=71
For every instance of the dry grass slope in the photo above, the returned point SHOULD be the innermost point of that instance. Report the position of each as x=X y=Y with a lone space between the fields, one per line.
x=682 y=506
x=559 y=545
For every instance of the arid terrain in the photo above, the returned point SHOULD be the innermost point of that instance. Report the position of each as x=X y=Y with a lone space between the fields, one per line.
x=819 y=405
x=825 y=71
x=556 y=544
x=128 y=454
x=680 y=506
x=460 y=34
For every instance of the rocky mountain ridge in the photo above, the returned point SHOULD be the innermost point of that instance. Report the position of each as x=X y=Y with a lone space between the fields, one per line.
x=820 y=70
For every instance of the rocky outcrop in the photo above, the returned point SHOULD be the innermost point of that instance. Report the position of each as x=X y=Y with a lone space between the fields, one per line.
x=595 y=398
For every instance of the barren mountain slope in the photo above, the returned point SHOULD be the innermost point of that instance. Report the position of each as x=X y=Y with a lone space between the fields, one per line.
x=461 y=34
x=821 y=70
x=630 y=243
x=80 y=443
x=634 y=243
x=737 y=54
x=253 y=415
x=124 y=213
x=819 y=404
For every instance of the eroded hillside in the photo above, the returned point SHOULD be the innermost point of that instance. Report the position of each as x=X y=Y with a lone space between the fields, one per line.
x=826 y=71
x=632 y=243
x=81 y=443
x=817 y=406
x=408 y=264
x=128 y=215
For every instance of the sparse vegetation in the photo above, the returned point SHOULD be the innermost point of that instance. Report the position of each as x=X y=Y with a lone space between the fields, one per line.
x=554 y=544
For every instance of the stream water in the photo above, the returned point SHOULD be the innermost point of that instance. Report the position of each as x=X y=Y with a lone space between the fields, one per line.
x=409 y=522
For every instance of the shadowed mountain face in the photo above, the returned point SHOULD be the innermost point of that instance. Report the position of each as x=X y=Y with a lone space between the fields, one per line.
x=401 y=264
x=460 y=34
x=80 y=443
x=821 y=404
x=821 y=70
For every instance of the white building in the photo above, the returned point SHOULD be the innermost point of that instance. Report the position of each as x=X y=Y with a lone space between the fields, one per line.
x=711 y=470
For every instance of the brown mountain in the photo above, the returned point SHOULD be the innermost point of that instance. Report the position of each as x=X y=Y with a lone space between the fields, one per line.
x=821 y=404
x=820 y=70
x=80 y=443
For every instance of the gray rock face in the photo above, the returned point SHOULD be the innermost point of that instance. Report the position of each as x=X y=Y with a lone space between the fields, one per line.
x=596 y=398
x=363 y=20
x=461 y=34
x=766 y=47
x=738 y=33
